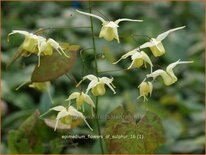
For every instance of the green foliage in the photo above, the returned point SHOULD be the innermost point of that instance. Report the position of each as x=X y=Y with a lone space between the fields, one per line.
x=180 y=107
x=30 y=136
x=24 y=140
x=144 y=136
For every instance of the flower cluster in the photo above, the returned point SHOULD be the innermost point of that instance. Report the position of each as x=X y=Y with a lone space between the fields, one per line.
x=138 y=57
x=40 y=46
x=97 y=87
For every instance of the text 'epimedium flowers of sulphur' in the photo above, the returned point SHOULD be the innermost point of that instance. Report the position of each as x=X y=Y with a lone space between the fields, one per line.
x=145 y=89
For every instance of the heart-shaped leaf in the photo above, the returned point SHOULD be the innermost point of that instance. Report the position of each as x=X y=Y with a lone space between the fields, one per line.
x=54 y=66
x=127 y=136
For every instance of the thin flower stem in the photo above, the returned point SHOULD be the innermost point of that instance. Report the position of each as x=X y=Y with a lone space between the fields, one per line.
x=21 y=85
x=141 y=35
x=50 y=97
x=116 y=70
x=99 y=13
x=72 y=78
x=97 y=74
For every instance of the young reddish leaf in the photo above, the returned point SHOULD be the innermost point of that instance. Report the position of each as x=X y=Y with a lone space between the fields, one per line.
x=142 y=137
x=126 y=139
x=55 y=65
x=151 y=126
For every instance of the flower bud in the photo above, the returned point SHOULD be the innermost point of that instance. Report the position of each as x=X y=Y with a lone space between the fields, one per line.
x=98 y=90
x=40 y=85
x=145 y=89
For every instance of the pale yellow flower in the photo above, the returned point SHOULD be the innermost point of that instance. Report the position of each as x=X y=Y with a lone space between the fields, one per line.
x=68 y=112
x=98 y=84
x=40 y=85
x=145 y=89
x=168 y=76
x=139 y=58
x=155 y=44
x=80 y=99
x=109 y=28
x=34 y=44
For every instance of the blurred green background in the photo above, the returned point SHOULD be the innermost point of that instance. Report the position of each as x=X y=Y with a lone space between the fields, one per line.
x=180 y=106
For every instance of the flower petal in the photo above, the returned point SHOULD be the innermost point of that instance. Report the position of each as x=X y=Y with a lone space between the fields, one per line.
x=90 y=77
x=130 y=66
x=92 y=15
x=110 y=24
x=58 y=108
x=62 y=114
x=75 y=113
x=88 y=100
x=126 y=55
x=109 y=33
x=91 y=85
x=174 y=64
x=56 y=46
x=108 y=82
x=126 y=19
x=165 y=34
x=155 y=74
x=20 y=32
x=57 y=121
x=115 y=33
x=137 y=55
x=168 y=80
x=88 y=125
x=150 y=87
x=146 y=58
x=25 y=33
x=73 y=96
x=147 y=44
x=170 y=68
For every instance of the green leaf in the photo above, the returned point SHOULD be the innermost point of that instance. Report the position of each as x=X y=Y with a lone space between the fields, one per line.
x=54 y=66
x=192 y=145
x=12 y=142
x=56 y=146
x=142 y=137
x=24 y=140
x=27 y=126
